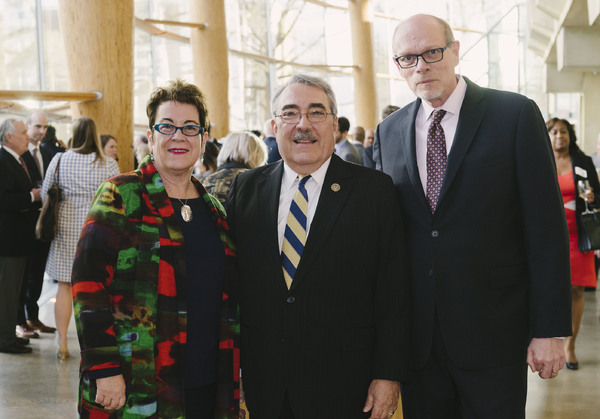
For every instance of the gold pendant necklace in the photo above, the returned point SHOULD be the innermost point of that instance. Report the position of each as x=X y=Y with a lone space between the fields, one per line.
x=186 y=211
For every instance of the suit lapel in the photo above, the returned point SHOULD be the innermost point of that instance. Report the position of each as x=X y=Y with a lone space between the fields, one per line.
x=336 y=189
x=407 y=128
x=471 y=115
x=267 y=190
x=17 y=166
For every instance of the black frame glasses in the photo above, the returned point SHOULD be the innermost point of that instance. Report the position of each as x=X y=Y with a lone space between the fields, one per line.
x=432 y=59
x=187 y=130
x=292 y=116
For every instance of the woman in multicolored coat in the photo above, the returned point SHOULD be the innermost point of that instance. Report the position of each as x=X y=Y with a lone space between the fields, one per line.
x=154 y=282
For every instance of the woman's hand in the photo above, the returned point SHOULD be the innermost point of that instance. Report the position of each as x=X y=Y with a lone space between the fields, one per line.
x=589 y=196
x=111 y=392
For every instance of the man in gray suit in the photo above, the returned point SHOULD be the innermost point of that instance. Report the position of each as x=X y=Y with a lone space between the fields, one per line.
x=358 y=138
x=489 y=248
x=343 y=147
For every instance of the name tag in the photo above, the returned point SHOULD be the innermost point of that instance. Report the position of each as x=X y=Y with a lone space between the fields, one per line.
x=581 y=172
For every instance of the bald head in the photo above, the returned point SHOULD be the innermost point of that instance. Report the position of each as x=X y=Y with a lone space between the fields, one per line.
x=37 y=123
x=358 y=134
x=435 y=81
x=268 y=129
x=369 y=137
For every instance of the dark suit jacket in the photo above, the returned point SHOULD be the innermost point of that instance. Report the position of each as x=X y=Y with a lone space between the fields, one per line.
x=17 y=212
x=493 y=261
x=34 y=172
x=340 y=324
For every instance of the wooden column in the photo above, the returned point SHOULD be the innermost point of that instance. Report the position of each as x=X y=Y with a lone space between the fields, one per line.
x=365 y=104
x=98 y=38
x=211 y=61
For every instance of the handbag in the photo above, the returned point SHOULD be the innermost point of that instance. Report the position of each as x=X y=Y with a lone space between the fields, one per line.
x=588 y=235
x=45 y=227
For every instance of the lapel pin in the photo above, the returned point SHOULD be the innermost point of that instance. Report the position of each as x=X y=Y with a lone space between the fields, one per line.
x=335 y=187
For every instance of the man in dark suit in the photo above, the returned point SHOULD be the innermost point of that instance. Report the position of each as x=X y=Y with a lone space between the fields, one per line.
x=343 y=147
x=327 y=341
x=18 y=206
x=488 y=244
x=271 y=142
x=37 y=160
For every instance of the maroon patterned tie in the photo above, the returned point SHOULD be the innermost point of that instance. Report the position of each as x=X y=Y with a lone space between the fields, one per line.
x=436 y=159
x=24 y=166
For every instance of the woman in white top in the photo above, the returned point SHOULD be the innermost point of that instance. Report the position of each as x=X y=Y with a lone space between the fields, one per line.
x=82 y=168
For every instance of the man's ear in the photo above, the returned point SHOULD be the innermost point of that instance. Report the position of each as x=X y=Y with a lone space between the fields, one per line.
x=274 y=126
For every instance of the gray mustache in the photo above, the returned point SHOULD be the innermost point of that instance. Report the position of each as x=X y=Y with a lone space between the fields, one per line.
x=303 y=135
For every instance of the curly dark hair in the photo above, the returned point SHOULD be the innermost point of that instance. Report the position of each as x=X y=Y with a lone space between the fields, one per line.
x=573 y=147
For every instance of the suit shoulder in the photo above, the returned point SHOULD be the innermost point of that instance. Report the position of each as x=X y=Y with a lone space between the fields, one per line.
x=253 y=174
x=367 y=173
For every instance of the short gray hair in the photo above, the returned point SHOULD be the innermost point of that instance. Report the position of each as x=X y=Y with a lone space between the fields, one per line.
x=7 y=127
x=243 y=147
x=317 y=82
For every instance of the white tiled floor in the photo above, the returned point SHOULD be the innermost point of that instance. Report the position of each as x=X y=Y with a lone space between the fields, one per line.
x=39 y=386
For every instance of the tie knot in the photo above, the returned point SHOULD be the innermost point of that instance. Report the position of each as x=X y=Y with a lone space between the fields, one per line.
x=438 y=116
x=303 y=179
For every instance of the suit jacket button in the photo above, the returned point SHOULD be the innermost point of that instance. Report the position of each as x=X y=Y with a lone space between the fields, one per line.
x=291 y=299
x=435 y=234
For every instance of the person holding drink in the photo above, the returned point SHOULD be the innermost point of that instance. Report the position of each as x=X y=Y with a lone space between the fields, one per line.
x=580 y=189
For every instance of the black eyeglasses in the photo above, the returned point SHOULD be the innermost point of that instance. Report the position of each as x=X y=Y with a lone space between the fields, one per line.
x=429 y=56
x=292 y=116
x=187 y=130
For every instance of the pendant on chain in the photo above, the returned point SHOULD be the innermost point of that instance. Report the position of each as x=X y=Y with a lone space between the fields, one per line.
x=186 y=213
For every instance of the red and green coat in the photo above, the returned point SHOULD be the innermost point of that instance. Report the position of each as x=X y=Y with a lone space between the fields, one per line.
x=131 y=249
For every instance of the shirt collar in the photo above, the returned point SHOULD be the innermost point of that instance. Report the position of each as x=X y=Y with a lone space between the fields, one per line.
x=289 y=178
x=452 y=104
x=31 y=147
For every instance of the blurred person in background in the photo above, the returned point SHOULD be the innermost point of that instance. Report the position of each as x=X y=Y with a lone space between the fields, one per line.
x=271 y=142
x=207 y=163
x=19 y=205
x=241 y=151
x=52 y=144
x=81 y=169
x=580 y=190
x=109 y=146
x=153 y=282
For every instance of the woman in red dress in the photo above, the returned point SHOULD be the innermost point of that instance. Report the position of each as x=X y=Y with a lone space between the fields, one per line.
x=579 y=185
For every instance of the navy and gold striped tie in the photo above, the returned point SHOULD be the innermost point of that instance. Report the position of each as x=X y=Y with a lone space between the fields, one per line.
x=294 y=237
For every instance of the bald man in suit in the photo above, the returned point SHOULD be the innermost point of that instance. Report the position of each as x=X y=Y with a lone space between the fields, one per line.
x=488 y=243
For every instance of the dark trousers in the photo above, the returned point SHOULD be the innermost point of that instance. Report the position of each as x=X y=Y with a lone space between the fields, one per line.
x=286 y=410
x=442 y=390
x=11 y=275
x=201 y=403
x=33 y=279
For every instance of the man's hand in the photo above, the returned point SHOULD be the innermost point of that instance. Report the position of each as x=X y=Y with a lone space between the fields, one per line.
x=382 y=399
x=546 y=356
x=111 y=392
x=36 y=194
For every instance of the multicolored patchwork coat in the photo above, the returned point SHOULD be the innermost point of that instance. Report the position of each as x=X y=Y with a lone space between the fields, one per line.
x=131 y=250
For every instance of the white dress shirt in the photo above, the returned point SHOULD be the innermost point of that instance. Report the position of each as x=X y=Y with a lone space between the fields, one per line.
x=449 y=122
x=289 y=186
